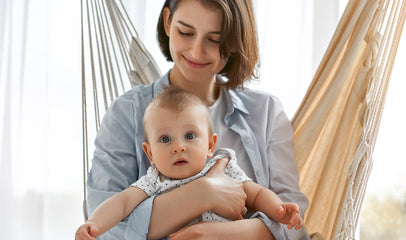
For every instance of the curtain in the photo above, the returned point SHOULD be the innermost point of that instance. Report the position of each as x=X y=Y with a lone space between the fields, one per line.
x=281 y=24
x=40 y=115
x=39 y=119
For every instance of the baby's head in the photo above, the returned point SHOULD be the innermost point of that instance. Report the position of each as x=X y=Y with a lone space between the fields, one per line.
x=178 y=132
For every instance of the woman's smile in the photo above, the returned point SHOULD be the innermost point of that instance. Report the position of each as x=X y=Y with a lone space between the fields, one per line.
x=194 y=64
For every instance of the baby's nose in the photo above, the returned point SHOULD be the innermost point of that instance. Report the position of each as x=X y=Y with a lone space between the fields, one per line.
x=178 y=147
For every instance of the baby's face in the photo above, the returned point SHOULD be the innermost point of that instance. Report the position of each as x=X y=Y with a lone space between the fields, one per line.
x=178 y=143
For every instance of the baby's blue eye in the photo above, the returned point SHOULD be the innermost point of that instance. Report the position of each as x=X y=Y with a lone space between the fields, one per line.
x=190 y=136
x=165 y=139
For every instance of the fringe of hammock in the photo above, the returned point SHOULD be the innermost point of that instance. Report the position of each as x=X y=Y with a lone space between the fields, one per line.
x=390 y=18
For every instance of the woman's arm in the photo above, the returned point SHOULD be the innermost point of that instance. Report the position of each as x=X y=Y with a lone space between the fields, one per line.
x=246 y=229
x=215 y=192
x=283 y=172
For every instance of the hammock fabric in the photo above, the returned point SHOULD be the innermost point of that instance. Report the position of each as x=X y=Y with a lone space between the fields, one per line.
x=335 y=127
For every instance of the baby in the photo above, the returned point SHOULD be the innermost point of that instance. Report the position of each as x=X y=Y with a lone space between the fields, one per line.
x=180 y=145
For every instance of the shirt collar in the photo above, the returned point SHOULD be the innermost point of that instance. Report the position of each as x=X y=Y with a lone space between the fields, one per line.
x=233 y=100
x=236 y=102
x=160 y=84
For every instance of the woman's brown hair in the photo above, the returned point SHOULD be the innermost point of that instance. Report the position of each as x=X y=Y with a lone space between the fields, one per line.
x=238 y=40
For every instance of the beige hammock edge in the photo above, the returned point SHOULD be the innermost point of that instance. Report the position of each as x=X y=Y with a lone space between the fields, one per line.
x=335 y=127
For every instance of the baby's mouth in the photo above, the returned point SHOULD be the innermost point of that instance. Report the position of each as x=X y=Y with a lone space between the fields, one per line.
x=180 y=162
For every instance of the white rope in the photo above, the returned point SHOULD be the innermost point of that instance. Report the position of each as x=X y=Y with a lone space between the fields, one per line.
x=84 y=120
x=108 y=36
x=362 y=163
x=112 y=52
x=105 y=67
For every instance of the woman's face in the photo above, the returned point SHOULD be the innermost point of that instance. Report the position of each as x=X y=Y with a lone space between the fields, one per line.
x=194 y=34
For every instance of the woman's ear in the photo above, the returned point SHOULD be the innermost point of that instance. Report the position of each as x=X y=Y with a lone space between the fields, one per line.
x=147 y=150
x=212 y=145
x=167 y=20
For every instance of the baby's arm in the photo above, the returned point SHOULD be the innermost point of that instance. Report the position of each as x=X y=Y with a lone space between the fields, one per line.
x=266 y=201
x=110 y=213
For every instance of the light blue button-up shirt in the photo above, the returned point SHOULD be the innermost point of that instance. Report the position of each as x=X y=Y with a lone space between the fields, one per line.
x=258 y=118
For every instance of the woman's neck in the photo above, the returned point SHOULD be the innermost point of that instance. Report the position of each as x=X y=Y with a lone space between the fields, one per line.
x=207 y=90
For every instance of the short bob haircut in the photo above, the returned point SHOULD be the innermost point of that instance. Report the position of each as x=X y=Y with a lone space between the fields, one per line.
x=238 y=40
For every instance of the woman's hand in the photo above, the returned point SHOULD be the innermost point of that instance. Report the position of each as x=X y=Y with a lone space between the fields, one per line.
x=227 y=196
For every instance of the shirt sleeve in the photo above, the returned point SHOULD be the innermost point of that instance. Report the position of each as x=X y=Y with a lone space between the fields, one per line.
x=137 y=228
x=280 y=231
x=115 y=167
x=284 y=177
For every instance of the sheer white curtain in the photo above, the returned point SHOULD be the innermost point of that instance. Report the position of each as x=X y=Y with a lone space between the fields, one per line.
x=40 y=120
x=40 y=97
x=293 y=36
x=285 y=40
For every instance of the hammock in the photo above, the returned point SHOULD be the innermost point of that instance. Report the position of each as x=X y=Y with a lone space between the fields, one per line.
x=115 y=53
x=335 y=127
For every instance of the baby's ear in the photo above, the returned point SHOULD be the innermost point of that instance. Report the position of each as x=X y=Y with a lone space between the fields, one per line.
x=147 y=150
x=212 y=144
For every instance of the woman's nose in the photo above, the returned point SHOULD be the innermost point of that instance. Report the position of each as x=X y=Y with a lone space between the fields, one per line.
x=197 y=48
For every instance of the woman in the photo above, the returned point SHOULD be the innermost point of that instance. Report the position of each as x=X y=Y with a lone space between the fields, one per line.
x=204 y=39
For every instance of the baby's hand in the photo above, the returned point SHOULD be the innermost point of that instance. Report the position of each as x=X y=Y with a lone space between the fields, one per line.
x=87 y=231
x=289 y=214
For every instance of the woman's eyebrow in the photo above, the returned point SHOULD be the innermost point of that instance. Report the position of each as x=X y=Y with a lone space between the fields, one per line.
x=185 y=24
x=190 y=26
